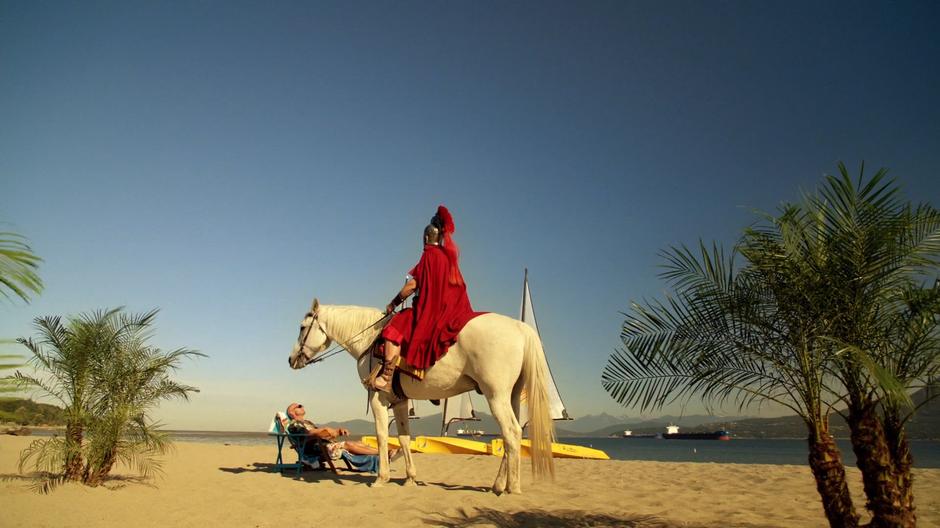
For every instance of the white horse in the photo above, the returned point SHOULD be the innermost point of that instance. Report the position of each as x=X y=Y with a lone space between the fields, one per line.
x=501 y=356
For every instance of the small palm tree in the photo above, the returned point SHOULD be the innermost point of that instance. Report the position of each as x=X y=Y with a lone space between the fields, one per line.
x=127 y=385
x=62 y=356
x=99 y=367
x=18 y=265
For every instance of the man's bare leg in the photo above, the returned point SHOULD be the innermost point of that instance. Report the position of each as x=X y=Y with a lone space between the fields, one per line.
x=358 y=448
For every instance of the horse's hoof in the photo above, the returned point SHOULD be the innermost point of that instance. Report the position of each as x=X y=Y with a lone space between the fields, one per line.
x=410 y=483
x=378 y=483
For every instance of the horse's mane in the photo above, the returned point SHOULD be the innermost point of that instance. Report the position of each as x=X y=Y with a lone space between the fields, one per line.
x=346 y=322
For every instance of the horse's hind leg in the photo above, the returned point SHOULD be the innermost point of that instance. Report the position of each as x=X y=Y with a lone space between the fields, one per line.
x=404 y=438
x=508 y=475
x=380 y=412
x=500 y=485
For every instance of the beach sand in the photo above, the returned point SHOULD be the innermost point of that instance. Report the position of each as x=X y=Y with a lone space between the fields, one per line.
x=218 y=485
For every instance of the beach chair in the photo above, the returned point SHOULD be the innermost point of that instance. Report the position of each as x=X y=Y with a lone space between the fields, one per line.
x=321 y=460
x=298 y=443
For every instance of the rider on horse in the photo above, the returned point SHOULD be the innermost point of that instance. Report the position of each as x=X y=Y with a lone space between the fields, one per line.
x=423 y=333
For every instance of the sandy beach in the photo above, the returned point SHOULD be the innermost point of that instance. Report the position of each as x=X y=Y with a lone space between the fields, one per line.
x=219 y=485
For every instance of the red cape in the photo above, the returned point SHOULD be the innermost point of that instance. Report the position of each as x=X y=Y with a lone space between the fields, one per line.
x=438 y=313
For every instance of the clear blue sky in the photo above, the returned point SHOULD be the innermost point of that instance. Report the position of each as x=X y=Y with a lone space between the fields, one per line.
x=228 y=161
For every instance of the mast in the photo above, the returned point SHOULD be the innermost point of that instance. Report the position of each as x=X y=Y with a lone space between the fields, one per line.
x=457 y=411
x=525 y=291
x=557 y=407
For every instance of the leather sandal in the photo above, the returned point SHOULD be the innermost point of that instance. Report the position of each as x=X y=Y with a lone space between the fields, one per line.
x=383 y=382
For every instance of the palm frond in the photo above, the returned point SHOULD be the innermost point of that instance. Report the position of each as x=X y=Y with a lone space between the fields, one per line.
x=18 y=267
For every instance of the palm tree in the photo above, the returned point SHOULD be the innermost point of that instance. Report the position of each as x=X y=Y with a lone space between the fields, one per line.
x=731 y=335
x=99 y=367
x=912 y=355
x=18 y=265
x=127 y=385
x=63 y=354
x=18 y=277
x=879 y=251
x=833 y=307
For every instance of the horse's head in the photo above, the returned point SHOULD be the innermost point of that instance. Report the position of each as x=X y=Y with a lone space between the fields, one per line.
x=312 y=339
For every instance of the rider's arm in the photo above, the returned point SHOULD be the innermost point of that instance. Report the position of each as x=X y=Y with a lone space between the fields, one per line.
x=406 y=290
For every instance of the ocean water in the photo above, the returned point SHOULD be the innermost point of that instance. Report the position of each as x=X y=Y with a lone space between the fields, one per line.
x=926 y=453
x=736 y=451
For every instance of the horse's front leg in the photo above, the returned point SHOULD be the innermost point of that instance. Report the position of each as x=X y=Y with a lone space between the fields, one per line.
x=380 y=412
x=404 y=438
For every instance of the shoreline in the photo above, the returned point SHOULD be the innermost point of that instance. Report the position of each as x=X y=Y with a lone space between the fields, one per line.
x=211 y=484
x=61 y=429
x=763 y=451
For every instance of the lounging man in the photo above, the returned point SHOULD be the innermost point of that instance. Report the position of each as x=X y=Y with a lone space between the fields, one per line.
x=298 y=424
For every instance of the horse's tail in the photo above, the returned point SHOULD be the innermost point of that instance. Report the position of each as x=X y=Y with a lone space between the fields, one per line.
x=541 y=426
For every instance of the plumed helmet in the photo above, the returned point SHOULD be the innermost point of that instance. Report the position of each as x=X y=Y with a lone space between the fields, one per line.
x=432 y=234
x=442 y=228
x=441 y=224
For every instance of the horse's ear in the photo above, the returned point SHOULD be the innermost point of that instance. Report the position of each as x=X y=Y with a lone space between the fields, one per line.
x=315 y=306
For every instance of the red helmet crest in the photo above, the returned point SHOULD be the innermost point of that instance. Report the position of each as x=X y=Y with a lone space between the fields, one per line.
x=450 y=247
x=447 y=221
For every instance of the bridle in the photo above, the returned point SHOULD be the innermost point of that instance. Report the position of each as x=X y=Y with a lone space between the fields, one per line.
x=336 y=348
x=305 y=331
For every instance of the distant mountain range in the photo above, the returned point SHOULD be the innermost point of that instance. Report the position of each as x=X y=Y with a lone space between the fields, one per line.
x=926 y=425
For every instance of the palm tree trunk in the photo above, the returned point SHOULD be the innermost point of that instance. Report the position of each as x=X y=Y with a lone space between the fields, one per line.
x=900 y=451
x=825 y=460
x=73 y=453
x=878 y=473
x=95 y=476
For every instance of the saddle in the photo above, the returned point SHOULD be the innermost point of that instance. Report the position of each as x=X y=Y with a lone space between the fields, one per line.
x=377 y=350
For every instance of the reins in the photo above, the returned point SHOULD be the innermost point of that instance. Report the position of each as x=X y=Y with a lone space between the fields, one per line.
x=337 y=347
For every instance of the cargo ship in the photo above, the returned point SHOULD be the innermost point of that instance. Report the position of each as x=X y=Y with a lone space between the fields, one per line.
x=473 y=433
x=672 y=433
x=629 y=434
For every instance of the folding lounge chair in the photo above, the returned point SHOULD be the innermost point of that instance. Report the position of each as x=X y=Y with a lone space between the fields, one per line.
x=322 y=459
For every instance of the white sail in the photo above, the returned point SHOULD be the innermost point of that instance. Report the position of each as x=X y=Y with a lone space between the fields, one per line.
x=556 y=406
x=457 y=409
